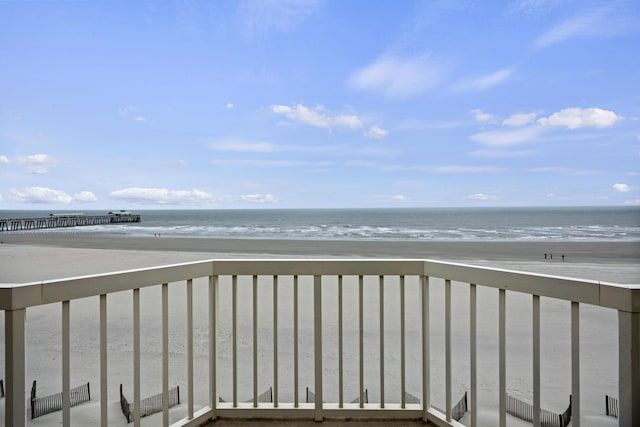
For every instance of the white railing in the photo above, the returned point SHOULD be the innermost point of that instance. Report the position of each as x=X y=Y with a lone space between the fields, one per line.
x=317 y=290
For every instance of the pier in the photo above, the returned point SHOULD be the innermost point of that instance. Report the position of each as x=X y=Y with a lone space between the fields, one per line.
x=66 y=220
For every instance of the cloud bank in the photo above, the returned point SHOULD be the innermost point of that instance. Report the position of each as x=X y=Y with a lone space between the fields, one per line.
x=161 y=196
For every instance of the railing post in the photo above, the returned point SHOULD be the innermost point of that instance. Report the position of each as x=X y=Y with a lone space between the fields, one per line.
x=14 y=328
x=66 y=364
x=426 y=391
x=502 y=356
x=317 y=344
x=213 y=344
x=104 y=400
x=575 y=364
x=473 y=352
x=628 y=368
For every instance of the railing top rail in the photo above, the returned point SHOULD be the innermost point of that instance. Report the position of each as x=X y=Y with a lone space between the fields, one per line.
x=611 y=295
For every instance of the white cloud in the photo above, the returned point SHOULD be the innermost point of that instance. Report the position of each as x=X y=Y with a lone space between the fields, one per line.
x=634 y=202
x=229 y=144
x=575 y=118
x=482 y=117
x=445 y=169
x=506 y=138
x=129 y=109
x=260 y=17
x=162 y=196
x=484 y=82
x=39 y=195
x=132 y=111
x=85 y=196
x=376 y=132
x=498 y=153
x=259 y=198
x=230 y=105
x=399 y=198
x=564 y=170
x=529 y=6
x=398 y=77
x=623 y=188
x=36 y=163
x=595 y=22
x=520 y=119
x=481 y=196
x=317 y=117
x=4 y=159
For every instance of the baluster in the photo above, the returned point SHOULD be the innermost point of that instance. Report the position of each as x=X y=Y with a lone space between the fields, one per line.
x=190 y=349
x=403 y=385
x=66 y=368
x=381 y=302
x=296 y=397
x=165 y=354
x=104 y=399
x=317 y=344
x=275 y=341
x=361 y=336
x=340 y=348
x=536 y=361
x=575 y=364
x=502 y=355
x=473 y=353
x=447 y=346
x=213 y=344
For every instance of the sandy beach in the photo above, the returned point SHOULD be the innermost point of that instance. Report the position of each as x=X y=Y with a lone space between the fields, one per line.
x=40 y=256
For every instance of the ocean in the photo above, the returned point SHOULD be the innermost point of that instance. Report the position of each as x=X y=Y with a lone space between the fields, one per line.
x=409 y=224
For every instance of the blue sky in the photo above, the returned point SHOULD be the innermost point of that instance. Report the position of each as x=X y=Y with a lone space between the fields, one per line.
x=299 y=104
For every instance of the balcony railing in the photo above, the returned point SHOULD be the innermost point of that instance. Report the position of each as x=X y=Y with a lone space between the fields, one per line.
x=349 y=325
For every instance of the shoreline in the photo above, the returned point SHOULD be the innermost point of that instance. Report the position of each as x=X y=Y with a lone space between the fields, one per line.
x=68 y=254
x=575 y=251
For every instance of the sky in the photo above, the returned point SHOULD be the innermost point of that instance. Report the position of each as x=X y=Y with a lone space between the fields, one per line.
x=318 y=103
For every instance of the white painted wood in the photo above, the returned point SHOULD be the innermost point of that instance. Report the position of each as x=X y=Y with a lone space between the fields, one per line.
x=254 y=297
x=426 y=380
x=629 y=369
x=190 y=403
x=213 y=344
x=66 y=364
x=165 y=354
x=447 y=347
x=104 y=379
x=340 y=347
x=625 y=298
x=15 y=357
x=361 y=338
x=381 y=306
x=234 y=333
x=403 y=356
x=473 y=353
x=536 y=360
x=275 y=341
x=296 y=386
x=575 y=364
x=502 y=358
x=317 y=346
x=136 y=357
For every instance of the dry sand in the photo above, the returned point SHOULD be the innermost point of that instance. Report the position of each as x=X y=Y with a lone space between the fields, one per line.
x=39 y=256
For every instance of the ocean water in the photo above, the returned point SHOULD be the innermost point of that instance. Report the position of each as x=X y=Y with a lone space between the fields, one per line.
x=433 y=224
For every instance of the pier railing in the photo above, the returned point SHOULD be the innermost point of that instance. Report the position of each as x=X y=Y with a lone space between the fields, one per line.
x=61 y=221
x=316 y=290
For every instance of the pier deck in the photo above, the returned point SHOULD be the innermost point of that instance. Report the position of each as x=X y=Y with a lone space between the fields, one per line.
x=60 y=221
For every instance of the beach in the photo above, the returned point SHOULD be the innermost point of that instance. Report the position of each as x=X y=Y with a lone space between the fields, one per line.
x=28 y=257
